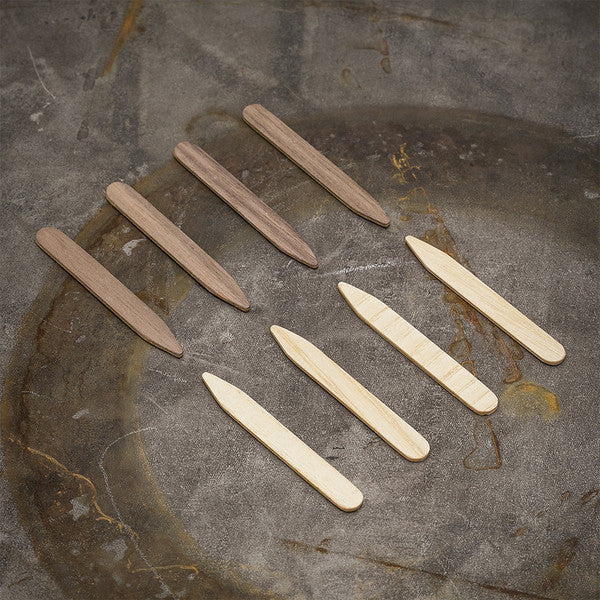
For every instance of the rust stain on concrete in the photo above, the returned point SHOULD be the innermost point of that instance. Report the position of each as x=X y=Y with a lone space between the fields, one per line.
x=406 y=170
x=527 y=399
x=486 y=453
x=127 y=27
x=588 y=496
x=348 y=78
x=566 y=554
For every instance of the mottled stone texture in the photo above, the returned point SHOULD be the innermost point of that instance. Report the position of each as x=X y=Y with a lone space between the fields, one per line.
x=474 y=125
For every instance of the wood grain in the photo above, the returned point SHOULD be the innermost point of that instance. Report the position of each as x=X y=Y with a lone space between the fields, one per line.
x=421 y=350
x=356 y=398
x=310 y=160
x=167 y=236
x=488 y=302
x=233 y=192
x=108 y=289
x=284 y=444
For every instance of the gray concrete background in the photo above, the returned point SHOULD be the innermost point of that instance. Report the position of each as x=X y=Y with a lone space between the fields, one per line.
x=74 y=120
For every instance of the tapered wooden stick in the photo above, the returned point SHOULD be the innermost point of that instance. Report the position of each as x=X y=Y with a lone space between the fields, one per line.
x=284 y=444
x=233 y=192
x=206 y=271
x=421 y=350
x=488 y=302
x=310 y=160
x=108 y=289
x=356 y=398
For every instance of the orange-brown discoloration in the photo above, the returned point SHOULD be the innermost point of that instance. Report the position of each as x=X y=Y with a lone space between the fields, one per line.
x=127 y=27
x=403 y=165
x=566 y=553
x=84 y=485
x=382 y=47
x=528 y=399
x=588 y=496
x=348 y=78
x=471 y=461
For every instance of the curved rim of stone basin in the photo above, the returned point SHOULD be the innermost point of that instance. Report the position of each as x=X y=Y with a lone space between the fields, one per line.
x=73 y=484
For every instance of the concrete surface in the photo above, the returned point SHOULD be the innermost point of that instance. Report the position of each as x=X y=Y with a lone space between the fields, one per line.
x=96 y=92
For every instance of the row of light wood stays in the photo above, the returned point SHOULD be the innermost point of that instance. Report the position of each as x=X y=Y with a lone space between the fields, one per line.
x=356 y=398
